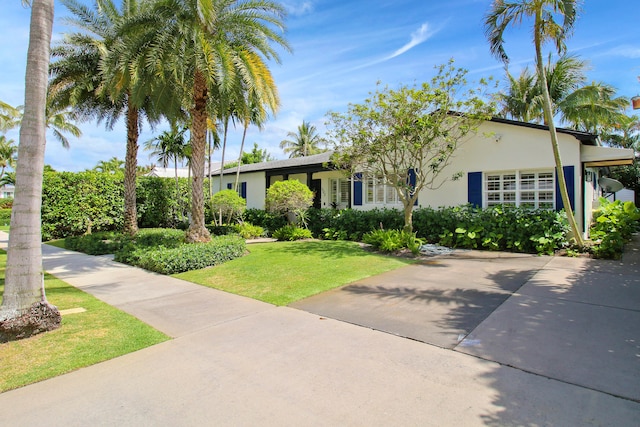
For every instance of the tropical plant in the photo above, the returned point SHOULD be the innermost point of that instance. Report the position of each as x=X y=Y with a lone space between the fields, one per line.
x=25 y=310
x=169 y=146
x=206 y=51
x=406 y=138
x=227 y=206
x=8 y=154
x=304 y=142
x=112 y=166
x=544 y=13
x=290 y=197
x=99 y=83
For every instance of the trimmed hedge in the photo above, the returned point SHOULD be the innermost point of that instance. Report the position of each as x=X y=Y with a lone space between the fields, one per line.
x=191 y=256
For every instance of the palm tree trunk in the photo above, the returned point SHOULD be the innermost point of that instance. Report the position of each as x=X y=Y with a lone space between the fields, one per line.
x=244 y=135
x=130 y=169
x=548 y=114
x=197 y=231
x=224 y=148
x=175 y=173
x=25 y=310
x=210 y=135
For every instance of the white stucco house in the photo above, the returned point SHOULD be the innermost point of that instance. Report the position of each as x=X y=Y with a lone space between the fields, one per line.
x=505 y=162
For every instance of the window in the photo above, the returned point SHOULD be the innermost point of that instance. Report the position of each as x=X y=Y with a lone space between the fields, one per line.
x=340 y=192
x=525 y=189
x=379 y=192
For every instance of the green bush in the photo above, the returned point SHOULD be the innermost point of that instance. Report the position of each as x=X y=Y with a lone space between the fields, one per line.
x=393 y=240
x=6 y=203
x=249 y=231
x=5 y=216
x=270 y=222
x=288 y=197
x=350 y=224
x=157 y=204
x=191 y=256
x=79 y=203
x=221 y=230
x=613 y=224
x=148 y=239
x=227 y=206
x=100 y=243
x=291 y=233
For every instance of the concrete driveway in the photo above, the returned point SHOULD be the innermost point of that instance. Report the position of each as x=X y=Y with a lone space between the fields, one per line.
x=576 y=320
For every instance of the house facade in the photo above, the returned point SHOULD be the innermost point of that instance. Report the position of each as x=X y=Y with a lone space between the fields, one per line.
x=505 y=162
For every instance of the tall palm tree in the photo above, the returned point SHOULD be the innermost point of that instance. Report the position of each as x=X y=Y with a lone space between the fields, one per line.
x=8 y=154
x=304 y=142
x=87 y=75
x=518 y=101
x=169 y=146
x=594 y=108
x=544 y=13
x=24 y=309
x=201 y=47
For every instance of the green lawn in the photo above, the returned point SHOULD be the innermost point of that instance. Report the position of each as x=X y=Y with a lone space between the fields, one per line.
x=283 y=272
x=100 y=333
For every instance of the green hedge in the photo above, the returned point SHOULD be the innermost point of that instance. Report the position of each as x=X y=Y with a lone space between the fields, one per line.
x=5 y=216
x=77 y=203
x=186 y=257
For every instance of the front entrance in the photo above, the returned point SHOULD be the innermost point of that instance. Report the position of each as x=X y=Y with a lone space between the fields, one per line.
x=316 y=187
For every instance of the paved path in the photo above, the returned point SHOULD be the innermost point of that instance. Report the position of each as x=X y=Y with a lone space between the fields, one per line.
x=235 y=361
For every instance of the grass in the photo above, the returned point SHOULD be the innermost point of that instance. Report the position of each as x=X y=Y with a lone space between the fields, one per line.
x=283 y=272
x=100 y=333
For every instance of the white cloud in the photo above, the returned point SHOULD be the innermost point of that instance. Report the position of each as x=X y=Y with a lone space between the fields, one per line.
x=417 y=37
x=299 y=8
x=626 y=51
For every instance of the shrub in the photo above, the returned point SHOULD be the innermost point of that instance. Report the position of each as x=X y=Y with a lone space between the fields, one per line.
x=288 y=197
x=249 y=231
x=157 y=204
x=100 y=243
x=220 y=230
x=79 y=203
x=227 y=206
x=613 y=224
x=5 y=216
x=393 y=240
x=292 y=232
x=6 y=203
x=350 y=224
x=146 y=239
x=191 y=256
x=270 y=222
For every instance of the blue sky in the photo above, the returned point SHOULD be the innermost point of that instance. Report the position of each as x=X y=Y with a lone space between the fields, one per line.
x=341 y=48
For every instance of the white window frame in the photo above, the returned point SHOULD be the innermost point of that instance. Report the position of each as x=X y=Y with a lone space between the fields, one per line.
x=378 y=192
x=339 y=191
x=534 y=189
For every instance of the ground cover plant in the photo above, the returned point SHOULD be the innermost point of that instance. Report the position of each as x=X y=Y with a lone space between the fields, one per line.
x=97 y=334
x=283 y=272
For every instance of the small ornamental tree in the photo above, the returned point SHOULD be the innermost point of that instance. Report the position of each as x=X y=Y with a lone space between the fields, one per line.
x=408 y=136
x=227 y=206
x=291 y=198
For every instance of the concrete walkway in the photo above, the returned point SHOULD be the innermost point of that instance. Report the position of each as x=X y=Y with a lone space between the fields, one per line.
x=236 y=361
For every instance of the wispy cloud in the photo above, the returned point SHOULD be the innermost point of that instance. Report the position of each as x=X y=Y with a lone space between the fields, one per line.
x=417 y=37
x=626 y=51
x=297 y=8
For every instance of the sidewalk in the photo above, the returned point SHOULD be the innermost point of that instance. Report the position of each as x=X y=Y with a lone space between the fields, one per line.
x=236 y=361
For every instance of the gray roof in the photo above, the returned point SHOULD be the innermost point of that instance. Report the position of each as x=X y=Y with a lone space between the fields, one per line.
x=316 y=159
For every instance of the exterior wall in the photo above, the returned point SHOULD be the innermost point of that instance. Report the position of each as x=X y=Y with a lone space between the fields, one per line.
x=498 y=147
x=255 y=187
x=326 y=177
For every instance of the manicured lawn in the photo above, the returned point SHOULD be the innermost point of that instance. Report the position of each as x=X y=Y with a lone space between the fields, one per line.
x=100 y=333
x=283 y=272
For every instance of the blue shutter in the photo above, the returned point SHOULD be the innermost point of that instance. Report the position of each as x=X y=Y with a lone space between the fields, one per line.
x=569 y=178
x=411 y=175
x=243 y=190
x=229 y=185
x=357 y=189
x=474 y=189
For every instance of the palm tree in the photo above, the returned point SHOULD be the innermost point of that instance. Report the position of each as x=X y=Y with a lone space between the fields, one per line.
x=9 y=117
x=594 y=108
x=545 y=29
x=303 y=143
x=519 y=100
x=25 y=310
x=169 y=146
x=112 y=166
x=97 y=82
x=8 y=153
x=200 y=47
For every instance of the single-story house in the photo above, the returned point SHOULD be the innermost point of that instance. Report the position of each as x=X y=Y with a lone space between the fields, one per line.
x=7 y=191
x=505 y=162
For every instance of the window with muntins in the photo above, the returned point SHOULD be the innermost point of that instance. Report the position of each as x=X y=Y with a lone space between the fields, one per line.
x=533 y=189
x=340 y=191
x=379 y=192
